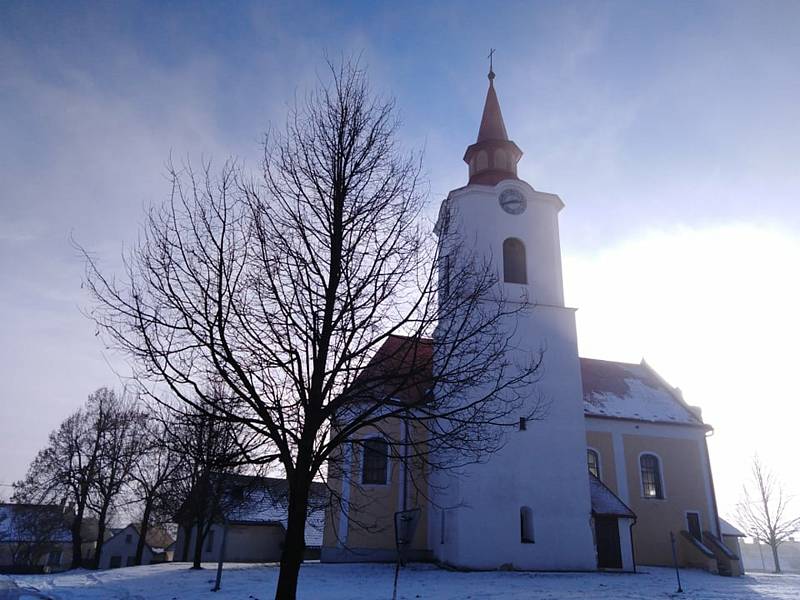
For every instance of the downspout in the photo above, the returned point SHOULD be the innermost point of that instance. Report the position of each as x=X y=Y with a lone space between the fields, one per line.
x=405 y=464
x=633 y=548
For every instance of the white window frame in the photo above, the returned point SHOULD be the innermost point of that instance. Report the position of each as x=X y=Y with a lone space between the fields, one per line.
x=699 y=514
x=660 y=474
x=599 y=461
x=363 y=455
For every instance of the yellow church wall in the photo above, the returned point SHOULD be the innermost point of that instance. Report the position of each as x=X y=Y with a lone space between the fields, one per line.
x=372 y=506
x=684 y=490
x=602 y=443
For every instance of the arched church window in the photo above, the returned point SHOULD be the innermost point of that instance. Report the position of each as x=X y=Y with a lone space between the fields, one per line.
x=514 y=267
x=375 y=465
x=499 y=159
x=652 y=486
x=482 y=161
x=593 y=460
x=526 y=525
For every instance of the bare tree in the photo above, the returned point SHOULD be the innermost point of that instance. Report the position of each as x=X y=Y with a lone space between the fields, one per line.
x=34 y=532
x=287 y=287
x=152 y=475
x=66 y=470
x=764 y=510
x=212 y=448
x=115 y=420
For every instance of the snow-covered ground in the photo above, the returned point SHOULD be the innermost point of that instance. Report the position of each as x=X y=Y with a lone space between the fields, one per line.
x=174 y=581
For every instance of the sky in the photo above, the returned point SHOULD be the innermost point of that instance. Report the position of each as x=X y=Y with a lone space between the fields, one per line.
x=671 y=130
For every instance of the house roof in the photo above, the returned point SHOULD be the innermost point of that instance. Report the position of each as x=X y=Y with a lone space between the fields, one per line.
x=33 y=522
x=632 y=391
x=265 y=501
x=401 y=369
x=611 y=390
x=728 y=529
x=155 y=539
x=606 y=502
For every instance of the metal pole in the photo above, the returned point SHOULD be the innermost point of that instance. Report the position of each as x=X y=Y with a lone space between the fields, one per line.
x=396 y=574
x=675 y=560
x=221 y=557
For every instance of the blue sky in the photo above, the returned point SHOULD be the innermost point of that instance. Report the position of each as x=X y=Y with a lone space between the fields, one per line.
x=649 y=119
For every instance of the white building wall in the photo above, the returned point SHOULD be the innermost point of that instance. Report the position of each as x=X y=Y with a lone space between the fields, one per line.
x=543 y=467
x=125 y=548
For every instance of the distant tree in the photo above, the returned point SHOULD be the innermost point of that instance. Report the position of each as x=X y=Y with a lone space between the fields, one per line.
x=764 y=510
x=85 y=464
x=117 y=422
x=286 y=289
x=36 y=531
x=66 y=470
x=153 y=472
x=211 y=449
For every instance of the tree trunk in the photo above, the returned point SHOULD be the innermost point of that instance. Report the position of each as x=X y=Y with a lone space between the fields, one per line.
x=77 y=523
x=295 y=543
x=101 y=534
x=775 y=559
x=198 y=545
x=143 y=527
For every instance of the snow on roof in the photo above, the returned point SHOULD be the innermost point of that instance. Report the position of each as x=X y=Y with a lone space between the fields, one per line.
x=265 y=500
x=631 y=391
x=728 y=529
x=33 y=523
x=605 y=502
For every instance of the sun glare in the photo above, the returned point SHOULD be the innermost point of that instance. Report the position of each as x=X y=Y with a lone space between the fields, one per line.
x=714 y=311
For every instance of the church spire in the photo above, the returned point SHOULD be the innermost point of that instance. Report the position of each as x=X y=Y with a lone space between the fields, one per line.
x=493 y=157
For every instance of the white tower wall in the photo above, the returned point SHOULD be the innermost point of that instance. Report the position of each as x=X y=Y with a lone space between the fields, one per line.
x=544 y=467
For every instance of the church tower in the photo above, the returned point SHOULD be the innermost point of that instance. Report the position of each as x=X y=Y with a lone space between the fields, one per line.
x=529 y=505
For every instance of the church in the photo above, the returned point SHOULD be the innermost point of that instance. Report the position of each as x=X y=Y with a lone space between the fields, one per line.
x=617 y=474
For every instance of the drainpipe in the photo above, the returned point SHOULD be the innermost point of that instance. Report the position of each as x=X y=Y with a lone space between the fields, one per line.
x=405 y=463
x=633 y=548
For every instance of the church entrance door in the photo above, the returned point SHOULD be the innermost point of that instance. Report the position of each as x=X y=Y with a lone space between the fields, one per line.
x=609 y=555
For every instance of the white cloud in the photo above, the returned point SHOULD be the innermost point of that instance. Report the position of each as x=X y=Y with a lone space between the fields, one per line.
x=715 y=312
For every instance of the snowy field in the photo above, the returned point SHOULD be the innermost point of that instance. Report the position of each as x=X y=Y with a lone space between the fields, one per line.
x=174 y=581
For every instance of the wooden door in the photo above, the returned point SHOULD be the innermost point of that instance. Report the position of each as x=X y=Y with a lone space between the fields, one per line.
x=609 y=555
x=693 y=523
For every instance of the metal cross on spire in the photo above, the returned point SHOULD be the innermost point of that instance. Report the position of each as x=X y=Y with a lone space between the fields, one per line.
x=491 y=63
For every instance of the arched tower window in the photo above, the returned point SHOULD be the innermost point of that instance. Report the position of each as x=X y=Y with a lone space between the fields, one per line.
x=514 y=267
x=652 y=486
x=482 y=161
x=526 y=525
x=593 y=460
x=500 y=159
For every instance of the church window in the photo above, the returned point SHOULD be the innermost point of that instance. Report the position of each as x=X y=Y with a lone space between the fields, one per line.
x=593 y=460
x=482 y=161
x=693 y=524
x=376 y=461
x=526 y=525
x=651 y=476
x=514 y=267
x=499 y=159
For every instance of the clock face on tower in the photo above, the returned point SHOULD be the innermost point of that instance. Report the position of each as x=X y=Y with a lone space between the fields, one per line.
x=512 y=201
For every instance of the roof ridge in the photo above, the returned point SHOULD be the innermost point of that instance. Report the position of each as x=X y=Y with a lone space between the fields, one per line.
x=615 y=362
